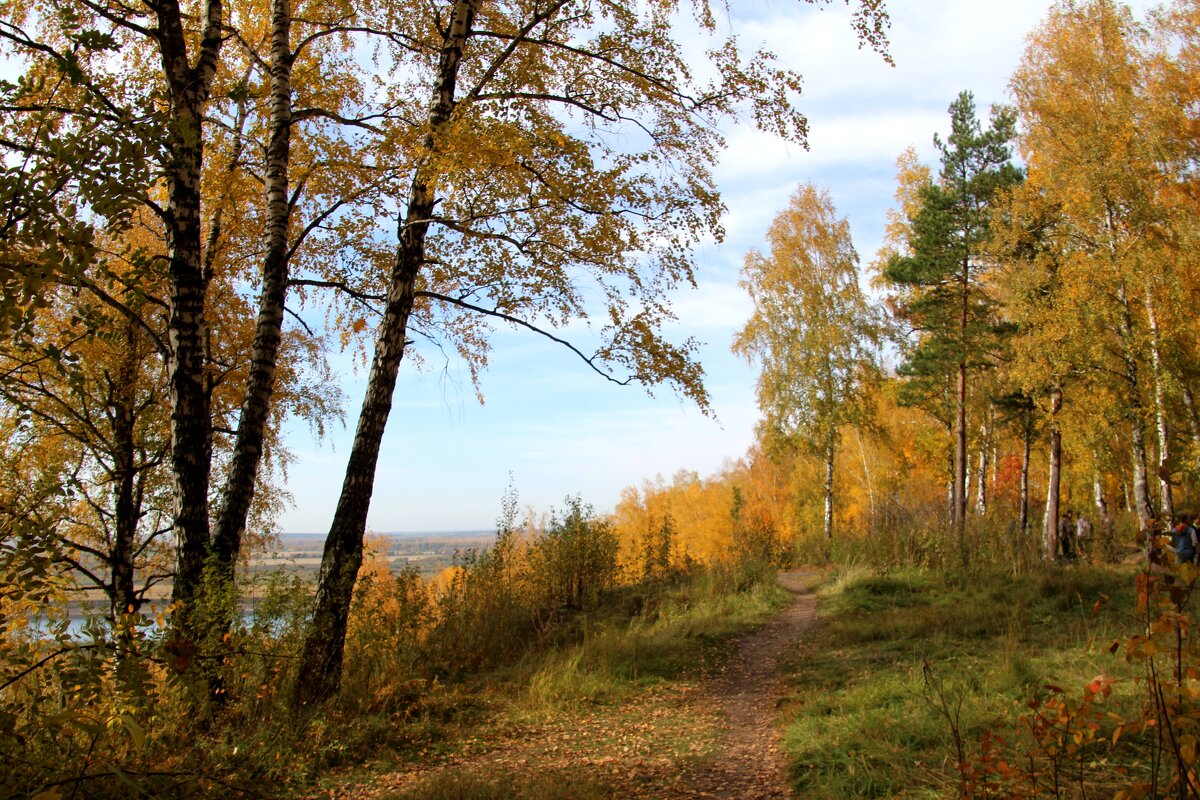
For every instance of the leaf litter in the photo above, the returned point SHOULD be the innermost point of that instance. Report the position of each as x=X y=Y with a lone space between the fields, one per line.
x=709 y=735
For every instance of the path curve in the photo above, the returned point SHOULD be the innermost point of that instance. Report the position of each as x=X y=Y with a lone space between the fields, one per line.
x=740 y=701
x=749 y=764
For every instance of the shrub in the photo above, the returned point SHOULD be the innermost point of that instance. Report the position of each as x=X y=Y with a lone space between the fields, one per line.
x=575 y=560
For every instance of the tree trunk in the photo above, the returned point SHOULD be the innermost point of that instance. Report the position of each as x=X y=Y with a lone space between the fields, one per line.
x=1141 y=485
x=320 y=668
x=1193 y=418
x=995 y=467
x=969 y=481
x=230 y=522
x=868 y=478
x=950 y=493
x=1027 y=447
x=981 y=489
x=960 y=464
x=123 y=597
x=960 y=419
x=1098 y=499
x=1166 y=504
x=1141 y=490
x=829 y=453
x=1103 y=527
x=191 y=423
x=1050 y=524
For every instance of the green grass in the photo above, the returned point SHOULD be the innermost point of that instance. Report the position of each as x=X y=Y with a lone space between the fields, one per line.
x=686 y=628
x=861 y=718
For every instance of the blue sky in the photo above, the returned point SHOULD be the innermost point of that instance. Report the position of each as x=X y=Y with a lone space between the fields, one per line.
x=559 y=429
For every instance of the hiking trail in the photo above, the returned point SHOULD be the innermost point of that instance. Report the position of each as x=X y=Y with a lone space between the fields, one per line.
x=709 y=737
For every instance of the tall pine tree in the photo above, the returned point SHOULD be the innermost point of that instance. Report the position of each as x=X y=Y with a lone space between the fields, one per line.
x=941 y=281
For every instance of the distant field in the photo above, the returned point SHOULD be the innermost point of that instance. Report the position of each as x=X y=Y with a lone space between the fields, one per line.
x=428 y=551
x=300 y=554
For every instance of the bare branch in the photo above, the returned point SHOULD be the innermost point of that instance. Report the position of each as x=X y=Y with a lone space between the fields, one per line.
x=301 y=321
x=517 y=39
x=491 y=312
x=409 y=43
x=101 y=584
x=301 y=114
x=127 y=312
x=341 y=286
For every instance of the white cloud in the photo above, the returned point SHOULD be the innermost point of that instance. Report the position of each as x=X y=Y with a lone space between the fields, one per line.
x=713 y=307
x=561 y=429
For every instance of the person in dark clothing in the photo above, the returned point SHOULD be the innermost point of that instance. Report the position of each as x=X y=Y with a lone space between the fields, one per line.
x=1066 y=535
x=1183 y=539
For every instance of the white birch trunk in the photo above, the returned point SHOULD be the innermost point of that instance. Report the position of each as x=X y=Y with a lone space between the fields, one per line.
x=187 y=90
x=1050 y=522
x=981 y=488
x=1193 y=418
x=230 y=521
x=829 y=454
x=868 y=477
x=1166 y=504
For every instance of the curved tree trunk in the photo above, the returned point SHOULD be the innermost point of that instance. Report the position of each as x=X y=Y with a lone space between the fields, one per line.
x=230 y=522
x=319 y=673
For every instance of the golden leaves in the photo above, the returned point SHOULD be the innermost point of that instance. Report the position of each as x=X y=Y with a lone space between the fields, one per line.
x=812 y=329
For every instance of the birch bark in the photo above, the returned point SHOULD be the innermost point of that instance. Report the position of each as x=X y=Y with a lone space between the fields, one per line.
x=1142 y=505
x=830 y=449
x=191 y=423
x=230 y=522
x=1166 y=504
x=1050 y=523
x=319 y=673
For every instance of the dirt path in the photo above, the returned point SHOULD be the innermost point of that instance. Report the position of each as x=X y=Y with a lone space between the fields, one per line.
x=748 y=764
x=712 y=738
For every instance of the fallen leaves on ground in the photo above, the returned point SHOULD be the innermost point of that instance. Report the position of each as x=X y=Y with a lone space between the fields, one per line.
x=704 y=736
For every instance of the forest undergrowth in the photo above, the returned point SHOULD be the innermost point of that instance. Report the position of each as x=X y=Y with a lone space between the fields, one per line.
x=530 y=631
x=548 y=667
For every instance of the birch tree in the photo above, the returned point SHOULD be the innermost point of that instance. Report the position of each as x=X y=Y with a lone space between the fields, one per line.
x=556 y=149
x=812 y=331
x=1092 y=175
x=169 y=110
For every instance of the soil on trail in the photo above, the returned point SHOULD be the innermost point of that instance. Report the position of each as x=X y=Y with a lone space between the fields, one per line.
x=711 y=737
x=748 y=763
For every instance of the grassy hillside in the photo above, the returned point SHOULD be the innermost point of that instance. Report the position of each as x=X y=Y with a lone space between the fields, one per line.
x=907 y=659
